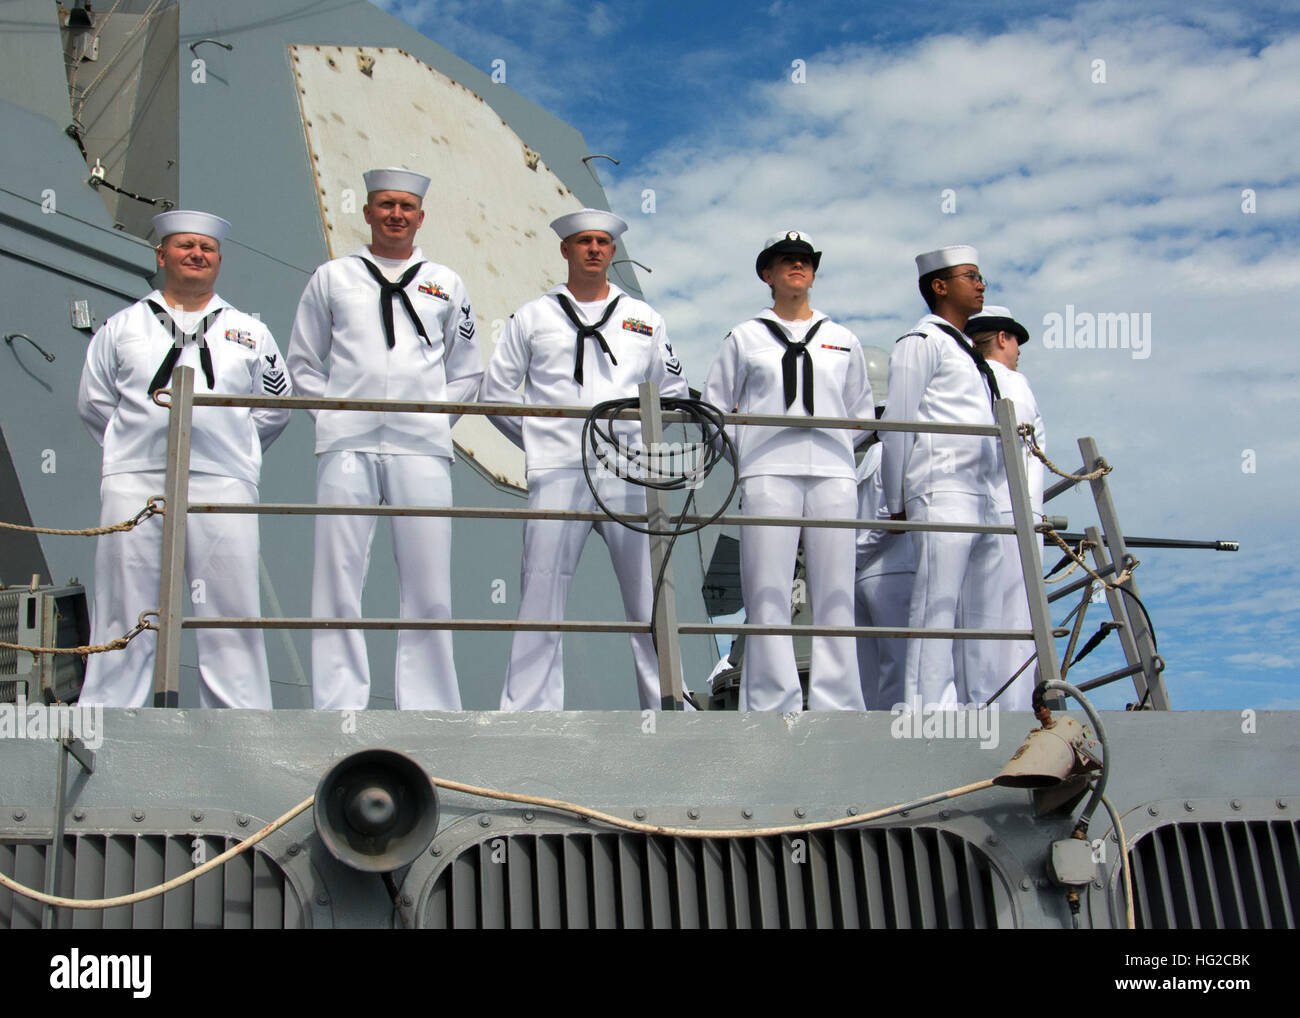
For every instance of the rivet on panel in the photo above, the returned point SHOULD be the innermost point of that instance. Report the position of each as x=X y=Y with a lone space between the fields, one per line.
x=1097 y=883
x=852 y=811
x=1189 y=806
x=20 y=815
x=1153 y=811
x=1235 y=804
x=528 y=816
x=945 y=814
x=322 y=898
x=800 y=812
x=485 y=821
x=78 y=814
x=693 y=813
x=435 y=851
x=1281 y=804
x=241 y=819
x=1025 y=884
x=137 y=815
x=747 y=813
x=638 y=813
x=293 y=849
x=196 y=816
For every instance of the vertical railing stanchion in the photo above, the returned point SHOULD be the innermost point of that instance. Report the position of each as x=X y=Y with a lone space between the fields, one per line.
x=1118 y=610
x=665 y=620
x=1027 y=542
x=171 y=584
x=1131 y=613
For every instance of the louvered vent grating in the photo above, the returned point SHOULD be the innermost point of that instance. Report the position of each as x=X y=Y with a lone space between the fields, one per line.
x=8 y=633
x=1232 y=875
x=248 y=892
x=879 y=878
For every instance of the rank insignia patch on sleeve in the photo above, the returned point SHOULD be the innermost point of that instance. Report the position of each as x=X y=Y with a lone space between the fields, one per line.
x=673 y=365
x=274 y=383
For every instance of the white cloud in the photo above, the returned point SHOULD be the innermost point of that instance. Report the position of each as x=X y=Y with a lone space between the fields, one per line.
x=1262 y=660
x=600 y=22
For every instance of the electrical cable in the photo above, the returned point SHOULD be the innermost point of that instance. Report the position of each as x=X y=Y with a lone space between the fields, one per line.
x=153 y=892
x=532 y=800
x=1094 y=641
x=646 y=468
x=641 y=468
x=1123 y=855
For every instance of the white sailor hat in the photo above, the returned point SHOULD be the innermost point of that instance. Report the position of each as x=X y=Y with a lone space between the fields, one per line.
x=394 y=179
x=946 y=258
x=789 y=242
x=589 y=219
x=186 y=221
x=996 y=319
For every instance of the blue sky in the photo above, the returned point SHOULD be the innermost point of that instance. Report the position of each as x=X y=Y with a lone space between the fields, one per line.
x=1110 y=158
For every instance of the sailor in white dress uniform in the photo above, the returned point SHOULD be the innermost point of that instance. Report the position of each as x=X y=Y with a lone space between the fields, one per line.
x=794 y=360
x=998 y=336
x=130 y=358
x=581 y=343
x=936 y=375
x=385 y=323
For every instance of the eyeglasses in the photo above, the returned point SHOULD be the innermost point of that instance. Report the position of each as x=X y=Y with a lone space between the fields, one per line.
x=974 y=277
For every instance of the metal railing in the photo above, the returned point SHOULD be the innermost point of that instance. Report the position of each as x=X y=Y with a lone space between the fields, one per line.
x=182 y=399
x=1133 y=629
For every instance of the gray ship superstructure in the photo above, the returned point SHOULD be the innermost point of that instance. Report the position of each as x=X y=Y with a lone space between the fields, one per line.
x=267 y=112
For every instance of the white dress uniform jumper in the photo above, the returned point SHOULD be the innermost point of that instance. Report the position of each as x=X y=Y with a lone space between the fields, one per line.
x=130 y=357
x=935 y=376
x=802 y=368
x=370 y=327
x=567 y=352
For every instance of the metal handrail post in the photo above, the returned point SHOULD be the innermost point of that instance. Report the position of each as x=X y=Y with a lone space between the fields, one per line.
x=171 y=583
x=665 y=621
x=1119 y=555
x=1047 y=667
x=1120 y=613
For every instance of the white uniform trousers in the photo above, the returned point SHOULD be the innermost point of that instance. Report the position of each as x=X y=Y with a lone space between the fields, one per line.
x=425 y=676
x=956 y=586
x=552 y=548
x=769 y=677
x=1015 y=615
x=883 y=599
x=221 y=556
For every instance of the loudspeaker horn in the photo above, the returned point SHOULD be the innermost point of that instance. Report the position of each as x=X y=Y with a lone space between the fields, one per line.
x=376 y=810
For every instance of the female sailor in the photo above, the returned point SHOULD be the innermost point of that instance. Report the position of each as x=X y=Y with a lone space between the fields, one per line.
x=794 y=360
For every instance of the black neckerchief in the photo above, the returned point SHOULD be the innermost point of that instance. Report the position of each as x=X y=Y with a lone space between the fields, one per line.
x=977 y=357
x=162 y=378
x=790 y=360
x=387 y=291
x=587 y=330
